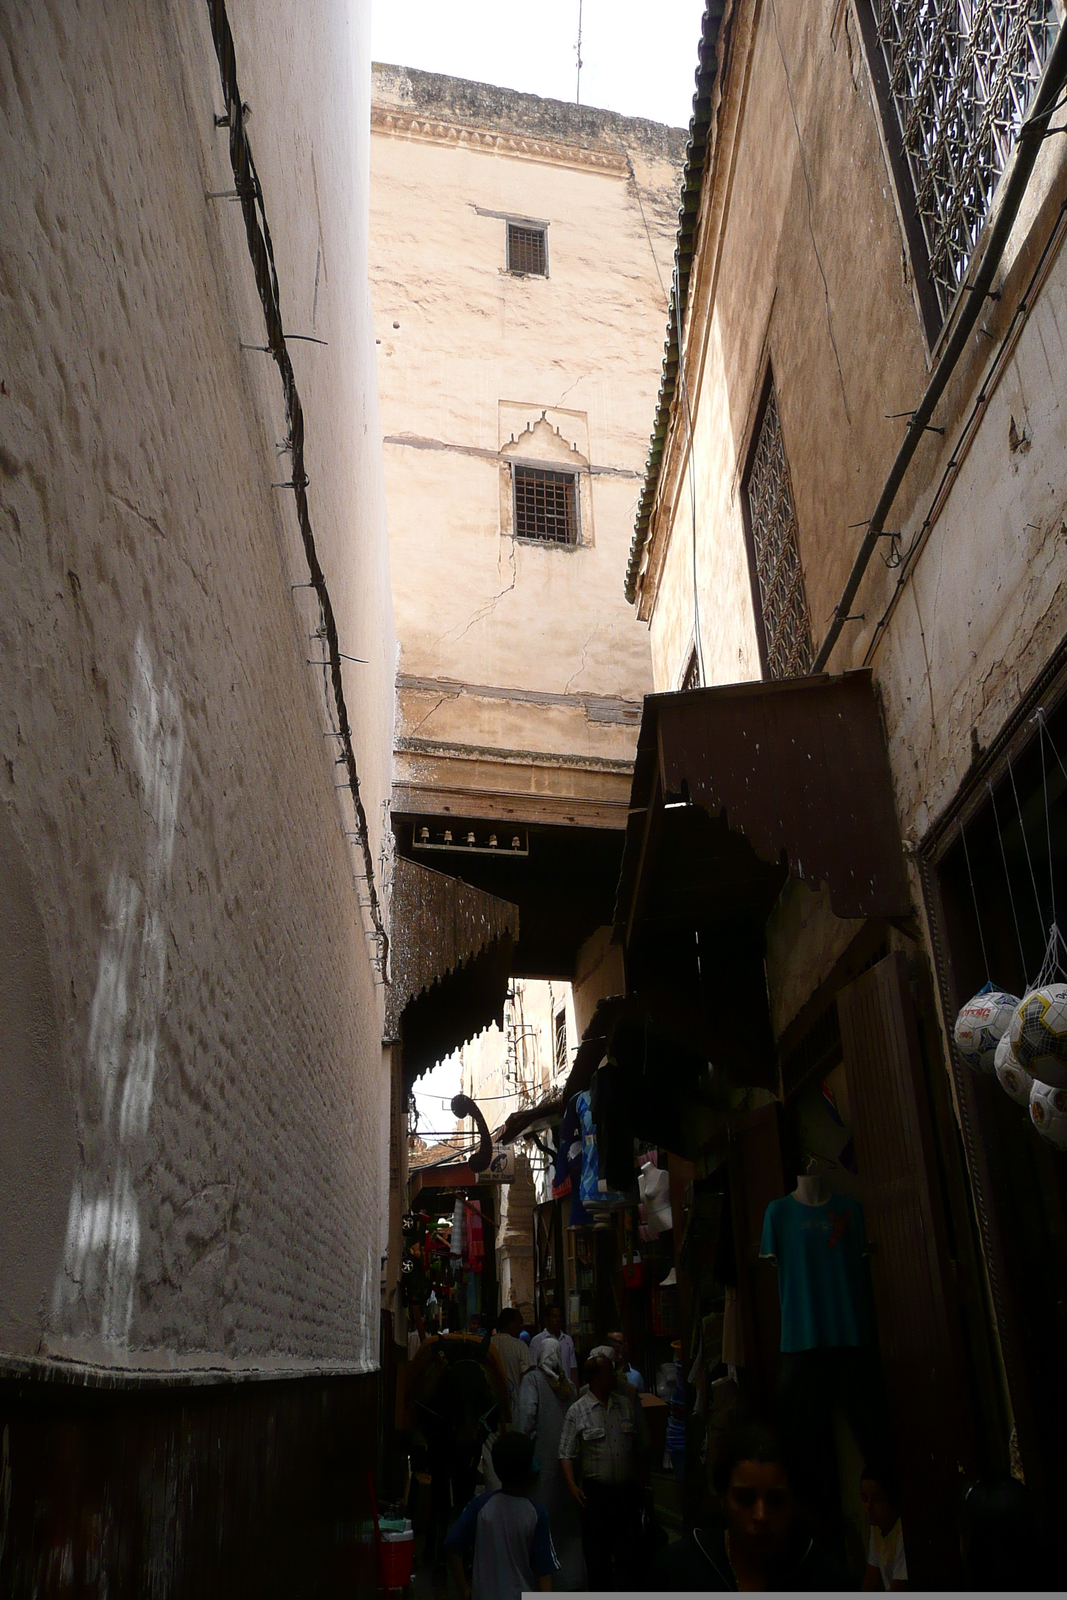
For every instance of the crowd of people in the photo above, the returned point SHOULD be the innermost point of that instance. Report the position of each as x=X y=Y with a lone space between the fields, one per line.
x=566 y=1503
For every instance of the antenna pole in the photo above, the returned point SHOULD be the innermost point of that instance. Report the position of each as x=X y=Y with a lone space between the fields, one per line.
x=578 y=84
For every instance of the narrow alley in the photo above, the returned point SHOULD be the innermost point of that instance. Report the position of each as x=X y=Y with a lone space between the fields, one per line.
x=533 y=707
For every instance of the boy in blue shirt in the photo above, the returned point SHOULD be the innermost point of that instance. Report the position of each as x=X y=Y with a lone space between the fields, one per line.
x=506 y=1531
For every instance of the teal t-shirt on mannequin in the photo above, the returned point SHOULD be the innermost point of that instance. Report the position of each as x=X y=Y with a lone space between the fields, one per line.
x=820 y=1252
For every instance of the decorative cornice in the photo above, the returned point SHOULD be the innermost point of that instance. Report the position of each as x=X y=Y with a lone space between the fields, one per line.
x=449 y=750
x=519 y=146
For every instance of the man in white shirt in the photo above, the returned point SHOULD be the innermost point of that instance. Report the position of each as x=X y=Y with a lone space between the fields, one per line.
x=603 y=1452
x=515 y=1355
x=552 y=1328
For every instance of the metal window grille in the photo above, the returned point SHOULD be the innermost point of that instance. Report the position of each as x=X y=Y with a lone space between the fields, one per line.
x=773 y=525
x=526 y=250
x=546 y=505
x=961 y=77
x=559 y=1043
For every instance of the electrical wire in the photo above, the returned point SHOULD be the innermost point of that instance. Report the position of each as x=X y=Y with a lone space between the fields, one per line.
x=974 y=899
x=1026 y=847
x=249 y=191
x=1007 y=879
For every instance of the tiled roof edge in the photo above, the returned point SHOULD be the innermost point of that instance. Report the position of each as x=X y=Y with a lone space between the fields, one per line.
x=692 y=184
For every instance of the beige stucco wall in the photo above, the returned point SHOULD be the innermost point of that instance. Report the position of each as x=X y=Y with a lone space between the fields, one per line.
x=470 y=357
x=803 y=259
x=193 y=1099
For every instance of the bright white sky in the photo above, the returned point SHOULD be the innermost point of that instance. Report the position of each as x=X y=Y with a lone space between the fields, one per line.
x=638 y=56
x=433 y=1091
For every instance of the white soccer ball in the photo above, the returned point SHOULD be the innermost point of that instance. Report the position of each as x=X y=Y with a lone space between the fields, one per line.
x=1013 y=1079
x=1038 y=1034
x=982 y=1024
x=1048 y=1113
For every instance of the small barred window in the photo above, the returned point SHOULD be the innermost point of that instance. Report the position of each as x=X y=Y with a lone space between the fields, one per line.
x=526 y=250
x=546 y=505
x=786 y=625
x=961 y=75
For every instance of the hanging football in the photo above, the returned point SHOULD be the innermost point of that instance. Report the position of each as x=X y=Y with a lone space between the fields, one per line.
x=1013 y=1079
x=1048 y=1113
x=1038 y=1034
x=981 y=1025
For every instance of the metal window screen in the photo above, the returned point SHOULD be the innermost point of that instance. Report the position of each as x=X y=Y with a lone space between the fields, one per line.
x=546 y=505
x=961 y=77
x=783 y=603
x=559 y=1044
x=526 y=250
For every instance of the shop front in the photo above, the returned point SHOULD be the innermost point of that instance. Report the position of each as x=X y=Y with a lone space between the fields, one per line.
x=782 y=1042
x=995 y=882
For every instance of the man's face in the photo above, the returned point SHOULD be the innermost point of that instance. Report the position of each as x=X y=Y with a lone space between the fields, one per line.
x=554 y=1322
x=602 y=1378
x=759 y=1508
x=618 y=1344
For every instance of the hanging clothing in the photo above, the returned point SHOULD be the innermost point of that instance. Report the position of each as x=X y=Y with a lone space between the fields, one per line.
x=587 y=1192
x=568 y=1150
x=676 y=1424
x=456 y=1244
x=475 y=1236
x=610 y=1097
x=823 y=1285
x=593 y=1191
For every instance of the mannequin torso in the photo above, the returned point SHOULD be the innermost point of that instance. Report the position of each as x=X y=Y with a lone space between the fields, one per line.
x=810 y=1191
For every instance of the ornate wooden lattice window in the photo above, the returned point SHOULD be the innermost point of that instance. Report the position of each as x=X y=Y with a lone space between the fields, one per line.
x=527 y=252
x=546 y=505
x=957 y=80
x=782 y=605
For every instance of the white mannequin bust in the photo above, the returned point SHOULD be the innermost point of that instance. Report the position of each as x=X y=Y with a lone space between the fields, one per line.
x=810 y=1189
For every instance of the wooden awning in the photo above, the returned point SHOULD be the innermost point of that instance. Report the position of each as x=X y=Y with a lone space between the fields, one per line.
x=736 y=787
x=734 y=790
x=451 y=960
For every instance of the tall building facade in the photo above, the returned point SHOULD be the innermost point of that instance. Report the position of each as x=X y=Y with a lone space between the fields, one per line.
x=520 y=255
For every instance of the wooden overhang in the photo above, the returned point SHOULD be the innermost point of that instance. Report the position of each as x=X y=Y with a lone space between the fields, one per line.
x=452 y=951
x=735 y=789
x=792 y=776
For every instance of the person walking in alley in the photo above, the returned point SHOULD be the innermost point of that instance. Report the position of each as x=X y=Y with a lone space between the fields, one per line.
x=545 y=1396
x=552 y=1328
x=603 y=1458
x=504 y=1530
x=759 y=1544
x=624 y=1367
x=513 y=1353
